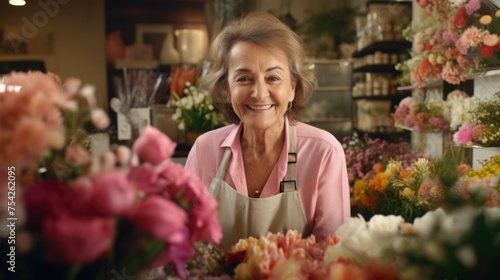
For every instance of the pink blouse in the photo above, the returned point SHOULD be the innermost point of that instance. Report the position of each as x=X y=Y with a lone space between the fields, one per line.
x=322 y=180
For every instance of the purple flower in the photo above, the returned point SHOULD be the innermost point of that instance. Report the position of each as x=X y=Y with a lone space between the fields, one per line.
x=472 y=6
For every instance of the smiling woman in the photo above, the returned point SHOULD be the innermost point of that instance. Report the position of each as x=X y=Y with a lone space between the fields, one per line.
x=268 y=171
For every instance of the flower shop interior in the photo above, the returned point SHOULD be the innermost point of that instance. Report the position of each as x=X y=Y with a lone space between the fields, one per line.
x=411 y=89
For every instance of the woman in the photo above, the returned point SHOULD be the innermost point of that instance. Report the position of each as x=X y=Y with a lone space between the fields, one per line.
x=267 y=170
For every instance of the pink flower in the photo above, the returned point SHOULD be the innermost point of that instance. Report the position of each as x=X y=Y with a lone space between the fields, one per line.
x=463 y=136
x=153 y=146
x=184 y=185
x=478 y=132
x=52 y=199
x=472 y=6
x=113 y=194
x=177 y=255
x=77 y=240
x=161 y=218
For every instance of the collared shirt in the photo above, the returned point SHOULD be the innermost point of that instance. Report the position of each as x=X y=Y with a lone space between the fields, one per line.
x=321 y=172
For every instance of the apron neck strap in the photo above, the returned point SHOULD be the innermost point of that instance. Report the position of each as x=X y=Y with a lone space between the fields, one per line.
x=289 y=183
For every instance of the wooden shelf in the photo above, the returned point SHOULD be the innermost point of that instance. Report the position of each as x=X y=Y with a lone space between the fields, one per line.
x=384 y=46
x=377 y=68
x=382 y=97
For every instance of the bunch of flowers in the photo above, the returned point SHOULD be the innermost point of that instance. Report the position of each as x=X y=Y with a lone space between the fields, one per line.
x=362 y=154
x=289 y=255
x=480 y=121
x=458 y=39
x=194 y=110
x=459 y=243
x=125 y=211
x=410 y=192
x=42 y=120
x=430 y=115
x=135 y=210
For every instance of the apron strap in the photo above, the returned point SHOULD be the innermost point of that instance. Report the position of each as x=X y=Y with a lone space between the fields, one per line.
x=290 y=183
x=223 y=164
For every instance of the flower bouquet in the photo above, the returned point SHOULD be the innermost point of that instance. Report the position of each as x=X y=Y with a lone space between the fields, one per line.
x=194 y=110
x=422 y=116
x=458 y=39
x=124 y=213
x=480 y=121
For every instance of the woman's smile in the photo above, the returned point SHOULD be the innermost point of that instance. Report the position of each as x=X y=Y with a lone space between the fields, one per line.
x=260 y=107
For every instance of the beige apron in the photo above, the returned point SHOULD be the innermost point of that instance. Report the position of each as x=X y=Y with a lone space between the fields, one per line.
x=241 y=216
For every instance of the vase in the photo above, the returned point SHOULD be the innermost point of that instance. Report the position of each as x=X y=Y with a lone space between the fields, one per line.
x=191 y=137
x=168 y=54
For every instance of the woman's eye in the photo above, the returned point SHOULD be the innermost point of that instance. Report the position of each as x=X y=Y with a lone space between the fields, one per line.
x=243 y=79
x=273 y=78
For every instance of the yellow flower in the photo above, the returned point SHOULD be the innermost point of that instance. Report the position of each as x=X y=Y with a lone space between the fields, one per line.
x=432 y=58
x=485 y=20
x=407 y=192
x=497 y=14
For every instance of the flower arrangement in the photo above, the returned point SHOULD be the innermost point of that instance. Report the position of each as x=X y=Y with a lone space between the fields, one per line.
x=124 y=212
x=428 y=115
x=458 y=39
x=194 y=110
x=42 y=121
x=289 y=255
x=362 y=154
x=480 y=121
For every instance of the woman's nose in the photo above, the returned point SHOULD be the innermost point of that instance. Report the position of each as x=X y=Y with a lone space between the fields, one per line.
x=259 y=90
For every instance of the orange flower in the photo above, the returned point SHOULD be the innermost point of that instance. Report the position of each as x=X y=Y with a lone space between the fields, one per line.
x=405 y=174
x=380 y=182
x=378 y=167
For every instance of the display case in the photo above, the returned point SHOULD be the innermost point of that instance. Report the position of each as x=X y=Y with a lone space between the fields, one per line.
x=329 y=107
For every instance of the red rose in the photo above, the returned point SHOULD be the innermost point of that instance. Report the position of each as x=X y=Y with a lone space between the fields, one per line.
x=488 y=51
x=461 y=18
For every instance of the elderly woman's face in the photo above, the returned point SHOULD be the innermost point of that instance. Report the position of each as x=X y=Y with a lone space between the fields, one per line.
x=259 y=84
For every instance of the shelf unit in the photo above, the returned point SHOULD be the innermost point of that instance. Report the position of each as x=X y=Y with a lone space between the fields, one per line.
x=329 y=107
x=378 y=92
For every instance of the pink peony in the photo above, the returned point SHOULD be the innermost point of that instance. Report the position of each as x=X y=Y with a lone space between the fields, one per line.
x=78 y=240
x=153 y=146
x=184 y=185
x=463 y=136
x=113 y=194
x=160 y=218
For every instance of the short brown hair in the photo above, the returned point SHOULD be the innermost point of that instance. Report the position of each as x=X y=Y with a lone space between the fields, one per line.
x=264 y=29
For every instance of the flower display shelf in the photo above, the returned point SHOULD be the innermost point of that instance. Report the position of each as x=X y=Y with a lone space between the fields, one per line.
x=474 y=146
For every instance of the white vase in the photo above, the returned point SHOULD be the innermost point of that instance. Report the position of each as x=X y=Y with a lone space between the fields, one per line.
x=168 y=54
x=191 y=45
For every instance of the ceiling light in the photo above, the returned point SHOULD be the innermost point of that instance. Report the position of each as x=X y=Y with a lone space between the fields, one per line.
x=17 y=2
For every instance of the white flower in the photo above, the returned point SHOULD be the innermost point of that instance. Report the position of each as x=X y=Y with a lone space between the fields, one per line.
x=466 y=255
x=426 y=224
x=457 y=3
